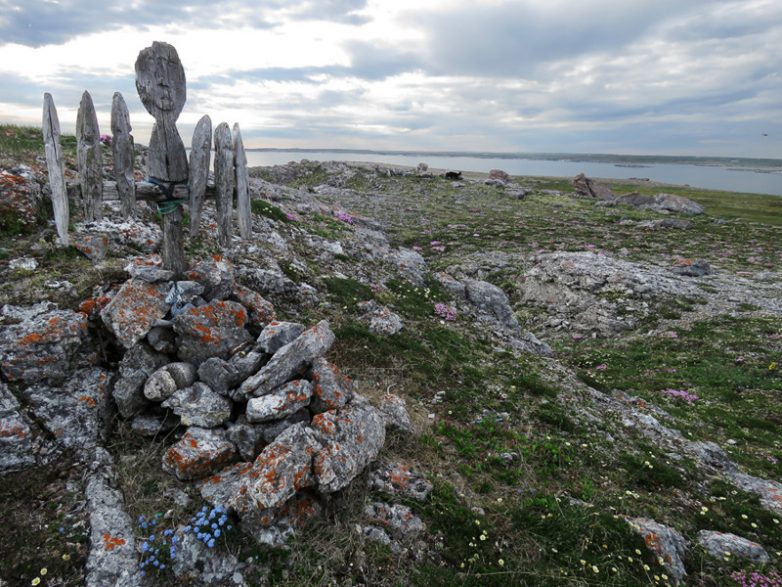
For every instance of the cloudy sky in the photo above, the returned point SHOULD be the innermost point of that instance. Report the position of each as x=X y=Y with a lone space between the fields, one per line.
x=694 y=77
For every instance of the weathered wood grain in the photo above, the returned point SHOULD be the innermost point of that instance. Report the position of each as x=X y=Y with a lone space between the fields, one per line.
x=224 y=182
x=55 y=164
x=160 y=81
x=90 y=160
x=242 y=187
x=201 y=149
x=173 y=250
x=124 y=155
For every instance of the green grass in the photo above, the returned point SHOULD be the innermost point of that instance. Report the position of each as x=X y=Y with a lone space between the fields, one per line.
x=264 y=208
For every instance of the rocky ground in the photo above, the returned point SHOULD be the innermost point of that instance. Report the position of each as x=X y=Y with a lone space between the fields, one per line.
x=404 y=379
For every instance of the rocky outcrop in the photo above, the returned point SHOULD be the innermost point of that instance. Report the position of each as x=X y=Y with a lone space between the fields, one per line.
x=663 y=203
x=589 y=188
x=666 y=543
x=721 y=545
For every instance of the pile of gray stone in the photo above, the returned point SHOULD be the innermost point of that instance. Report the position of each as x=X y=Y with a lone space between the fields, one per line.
x=271 y=425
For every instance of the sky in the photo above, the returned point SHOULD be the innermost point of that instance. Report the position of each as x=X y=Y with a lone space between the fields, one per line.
x=671 y=77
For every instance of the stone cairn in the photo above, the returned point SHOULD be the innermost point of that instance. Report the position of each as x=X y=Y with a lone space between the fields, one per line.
x=271 y=424
x=171 y=181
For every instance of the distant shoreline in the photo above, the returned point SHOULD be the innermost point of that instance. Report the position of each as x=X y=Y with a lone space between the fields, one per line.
x=766 y=165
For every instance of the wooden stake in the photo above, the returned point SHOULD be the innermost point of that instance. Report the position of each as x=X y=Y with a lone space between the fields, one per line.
x=224 y=182
x=89 y=157
x=54 y=162
x=242 y=189
x=199 y=170
x=124 y=155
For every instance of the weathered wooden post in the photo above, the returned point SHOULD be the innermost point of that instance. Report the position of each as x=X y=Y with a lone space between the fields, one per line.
x=124 y=155
x=89 y=158
x=160 y=81
x=242 y=188
x=200 y=151
x=55 y=164
x=224 y=182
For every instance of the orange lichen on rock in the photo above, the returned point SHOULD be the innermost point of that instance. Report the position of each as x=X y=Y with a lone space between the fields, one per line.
x=112 y=542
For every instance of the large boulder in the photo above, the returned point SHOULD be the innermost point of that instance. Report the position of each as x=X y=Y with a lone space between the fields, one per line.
x=291 y=360
x=352 y=438
x=41 y=343
x=663 y=202
x=665 y=543
x=721 y=544
x=17 y=446
x=277 y=334
x=216 y=329
x=589 y=188
x=332 y=389
x=135 y=308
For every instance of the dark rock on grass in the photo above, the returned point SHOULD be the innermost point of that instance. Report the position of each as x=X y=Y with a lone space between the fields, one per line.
x=721 y=545
x=665 y=543
x=352 y=438
x=199 y=406
x=690 y=268
x=199 y=453
x=112 y=557
x=282 y=402
x=167 y=380
x=41 y=343
x=214 y=330
x=138 y=364
x=663 y=202
x=398 y=519
x=453 y=175
x=500 y=175
x=223 y=375
x=291 y=360
x=281 y=470
x=277 y=334
x=400 y=480
x=17 y=443
x=589 y=188
x=332 y=389
x=132 y=312
x=153 y=424
x=393 y=409
x=78 y=414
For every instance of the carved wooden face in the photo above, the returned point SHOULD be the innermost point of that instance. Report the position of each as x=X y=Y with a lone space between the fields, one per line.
x=160 y=80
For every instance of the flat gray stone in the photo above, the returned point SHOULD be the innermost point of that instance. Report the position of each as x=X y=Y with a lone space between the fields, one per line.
x=280 y=403
x=132 y=311
x=199 y=406
x=136 y=366
x=277 y=334
x=721 y=544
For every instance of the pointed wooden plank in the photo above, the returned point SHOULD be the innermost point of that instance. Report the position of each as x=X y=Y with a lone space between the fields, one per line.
x=201 y=149
x=224 y=182
x=160 y=81
x=242 y=187
x=173 y=250
x=89 y=158
x=54 y=162
x=124 y=155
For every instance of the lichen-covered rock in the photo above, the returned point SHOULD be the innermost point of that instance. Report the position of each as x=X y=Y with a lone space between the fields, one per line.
x=167 y=380
x=214 y=330
x=41 y=343
x=271 y=430
x=129 y=233
x=769 y=491
x=112 y=557
x=93 y=246
x=410 y=264
x=17 y=446
x=222 y=376
x=161 y=339
x=397 y=518
x=216 y=274
x=490 y=299
x=196 y=563
x=283 y=468
x=399 y=480
x=199 y=406
x=380 y=319
x=261 y=310
x=153 y=424
x=665 y=543
x=663 y=202
x=199 y=453
x=224 y=486
x=132 y=312
x=247 y=438
x=275 y=527
x=78 y=414
x=277 y=334
x=280 y=403
x=352 y=438
x=135 y=368
x=291 y=360
x=331 y=389
x=722 y=544
x=394 y=411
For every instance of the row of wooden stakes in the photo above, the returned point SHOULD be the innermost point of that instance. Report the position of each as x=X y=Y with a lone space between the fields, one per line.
x=230 y=171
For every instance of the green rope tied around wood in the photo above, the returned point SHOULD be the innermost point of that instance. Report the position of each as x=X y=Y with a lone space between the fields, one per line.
x=166 y=207
x=170 y=204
